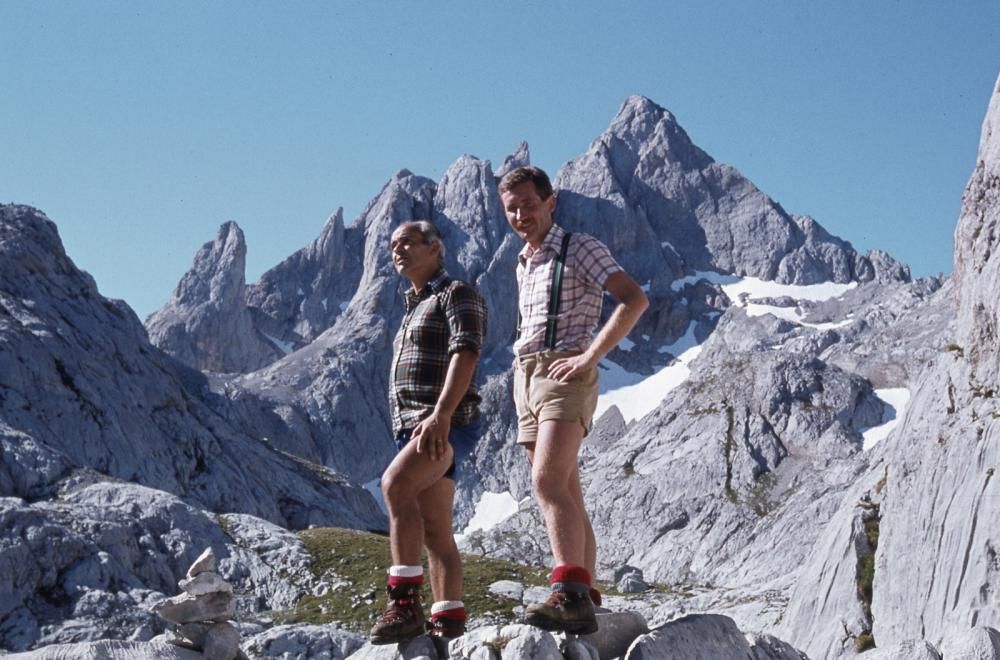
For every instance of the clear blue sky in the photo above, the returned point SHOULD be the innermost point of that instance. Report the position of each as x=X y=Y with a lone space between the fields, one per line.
x=139 y=127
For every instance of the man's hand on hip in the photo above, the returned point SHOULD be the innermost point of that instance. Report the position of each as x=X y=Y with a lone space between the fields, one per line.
x=567 y=368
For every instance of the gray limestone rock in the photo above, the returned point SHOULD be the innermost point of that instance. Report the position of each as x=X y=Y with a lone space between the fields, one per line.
x=693 y=637
x=577 y=649
x=109 y=650
x=507 y=589
x=419 y=648
x=615 y=633
x=222 y=642
x=93 y=564
x=977 y=238
x=769 y=647
x=506 y=643
x=300 y=298
x=911 y=649
x=632 y=583
x=645 y=173
x=205 y=583
x=82 y=381
x=827 y=613
x=935 y=573
x=187 y=608
x=977 y=643
x=206 y=323
x=205 y=563
x=191 y=635
x=520 y=158
x=290 y=642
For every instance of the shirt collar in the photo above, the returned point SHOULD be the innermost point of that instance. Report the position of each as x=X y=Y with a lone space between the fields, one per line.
x=552 y=241
x=434 y=285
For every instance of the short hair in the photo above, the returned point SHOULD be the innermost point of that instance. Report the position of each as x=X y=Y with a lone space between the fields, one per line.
x=519 y=175
x=428 y=233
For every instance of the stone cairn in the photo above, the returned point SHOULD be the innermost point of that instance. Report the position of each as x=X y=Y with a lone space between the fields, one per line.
x=201 y=614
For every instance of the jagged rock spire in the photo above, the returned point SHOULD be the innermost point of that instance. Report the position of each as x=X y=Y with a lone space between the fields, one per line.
x=206 y=323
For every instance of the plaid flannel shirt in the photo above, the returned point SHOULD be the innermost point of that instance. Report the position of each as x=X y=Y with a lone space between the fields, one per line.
x=589 y=264
x=445 y=317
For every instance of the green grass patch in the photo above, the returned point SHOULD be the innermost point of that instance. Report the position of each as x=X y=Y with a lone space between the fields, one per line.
x=864 y=642
x=360 y=559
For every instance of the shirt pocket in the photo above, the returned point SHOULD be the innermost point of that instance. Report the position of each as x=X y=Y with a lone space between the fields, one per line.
x=428 y=328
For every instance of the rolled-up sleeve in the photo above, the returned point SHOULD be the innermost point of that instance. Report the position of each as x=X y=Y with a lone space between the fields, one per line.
x=466 y=312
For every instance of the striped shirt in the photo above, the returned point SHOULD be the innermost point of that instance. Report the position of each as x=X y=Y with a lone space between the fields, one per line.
x=445 y=317
x=589 y=264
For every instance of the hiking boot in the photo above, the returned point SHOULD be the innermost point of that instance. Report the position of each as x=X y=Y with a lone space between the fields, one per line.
x=568 y=608
x=445 y=627
x=403 y=617
x=442 y=631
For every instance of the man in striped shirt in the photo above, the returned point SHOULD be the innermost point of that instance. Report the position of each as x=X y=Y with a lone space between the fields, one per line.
x=435 y=416
x=555 y=379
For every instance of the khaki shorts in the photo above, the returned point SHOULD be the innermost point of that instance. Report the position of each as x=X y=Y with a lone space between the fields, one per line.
x=539 y=398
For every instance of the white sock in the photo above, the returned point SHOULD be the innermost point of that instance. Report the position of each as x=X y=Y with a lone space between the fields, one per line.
x=442 y=605
x=406 y=571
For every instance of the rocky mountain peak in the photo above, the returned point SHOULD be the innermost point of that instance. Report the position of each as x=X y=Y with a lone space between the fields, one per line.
x=30 y=245
x=520 y=158
x=330 y=239
x=218 y=272
x=468 y=214
x=652 y=131
x=206 y=323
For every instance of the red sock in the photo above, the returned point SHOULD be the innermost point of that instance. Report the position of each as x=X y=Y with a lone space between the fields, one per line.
x=395 y=580
x=570 y=573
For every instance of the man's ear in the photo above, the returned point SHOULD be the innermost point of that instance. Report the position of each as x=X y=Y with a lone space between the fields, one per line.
x=551 y=201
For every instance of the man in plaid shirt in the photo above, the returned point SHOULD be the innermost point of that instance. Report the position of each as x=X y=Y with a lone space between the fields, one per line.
x=435 y=416
x=555 y=380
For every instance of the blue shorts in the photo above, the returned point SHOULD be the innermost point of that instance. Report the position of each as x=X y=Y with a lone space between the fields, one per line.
x=462 y=439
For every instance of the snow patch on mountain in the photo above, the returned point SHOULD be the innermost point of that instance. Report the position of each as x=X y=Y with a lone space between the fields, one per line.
x=637 y=394
x=896 y=400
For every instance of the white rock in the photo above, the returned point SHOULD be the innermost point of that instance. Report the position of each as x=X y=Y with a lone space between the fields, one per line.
x=979 y=643
x=290 y=642
x=108 y=650
x=693 y=637
x=203 y=564
x=205 y=583
x=186 y=608
x=913 y=649
x=507 y=589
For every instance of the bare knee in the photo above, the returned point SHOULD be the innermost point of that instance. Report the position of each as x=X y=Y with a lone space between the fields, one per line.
x=548 y=487
x=397 y=490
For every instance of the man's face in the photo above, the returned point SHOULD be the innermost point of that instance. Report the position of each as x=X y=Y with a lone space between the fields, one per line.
x=529 y=215
x=411 y=256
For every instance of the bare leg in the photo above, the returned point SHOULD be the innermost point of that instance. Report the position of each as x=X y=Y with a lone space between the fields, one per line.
x=590 y=549
x=555 y=480
x=409 y=475
x=445 y=563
